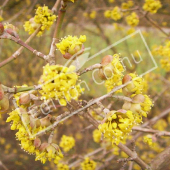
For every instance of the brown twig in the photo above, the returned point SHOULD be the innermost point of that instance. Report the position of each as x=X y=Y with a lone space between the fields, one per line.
x=155 y=25
x=90 y=68
x=156 y=132
x=1 y=164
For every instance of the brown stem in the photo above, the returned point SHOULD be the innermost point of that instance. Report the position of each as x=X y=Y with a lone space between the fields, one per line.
x=157 y=132
x=161 y=161
x=60 y=19
x=19 y=51
x=155 y=25
x=20 y=42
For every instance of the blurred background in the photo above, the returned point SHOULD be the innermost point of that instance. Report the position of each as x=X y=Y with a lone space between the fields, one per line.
x=84 y=17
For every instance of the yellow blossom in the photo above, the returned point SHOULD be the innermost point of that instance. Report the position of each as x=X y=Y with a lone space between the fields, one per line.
x=152 y=5
x=71 y=45
x=61 y=166
x=97 y=135
x=132 y=19
x=88 y=164
x=1 y=19
x=117 y=126
x=43 y=17
x=116 y=77
x=92 y=15
x=116 y=13
x=59 y=82
x=67 y=143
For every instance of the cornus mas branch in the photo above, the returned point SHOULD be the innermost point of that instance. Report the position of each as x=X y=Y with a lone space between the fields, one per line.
x=124 y=148
x=20 y=42
x=77 y=162
x=156 y=132
x=19 y=51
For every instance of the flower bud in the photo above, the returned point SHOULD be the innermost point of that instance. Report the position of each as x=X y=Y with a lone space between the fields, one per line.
x=24 y=98
x=4 y=103
x=1 y=28
x=43 y=147
x=46 y=121
x=51 y=148
x=127 y=90
x=22 y=111
x=136 y=108
x=37 y=142
x=12 y=30
x=126 y=79
x=25 y=118
x=34 y=25
x=1 y=92
x=106 y=60
x=107 y=68
x=76 y=50
x=34 y=122
x=56 y=147
x=126 y=105
x=139 y=98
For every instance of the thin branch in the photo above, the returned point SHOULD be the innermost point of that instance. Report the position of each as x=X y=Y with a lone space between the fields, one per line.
x=90 y=68
x=67 y=115
x=57 y=3
x=161 y=161
x=16 y=15
x=19 y=51
x=4 y=4
x=60 y=20
x=155 y=25
x=156 y=132
x=77 y=162
x=20 y=42
x=18 y=89
x=1 y=164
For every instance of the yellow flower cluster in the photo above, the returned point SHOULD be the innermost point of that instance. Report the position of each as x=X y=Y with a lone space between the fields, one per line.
x=130 y=31
x=61 y=166
x=141 y=104
x=88 y=164
x=23 y=122
x=116 y=78
x=114 y=14
x=111 y=1
x=132 y=19
x=127 y=5
x=148 y=139
x=97 y=135
x=140 y=108
x=59 y=82
x=91 y=15
x=164 y=52
x=152 y=5
x=161 y=125
x=136 y=86
x=67 y=143
x=43 y=17
x=71 y=44
x=1 y=19
x=117 y=126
